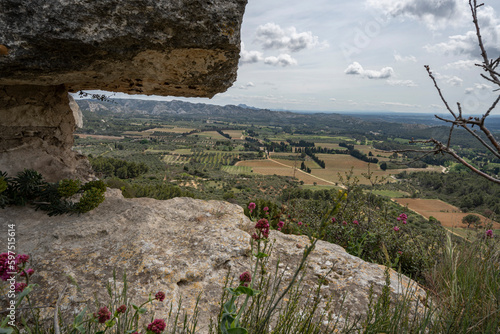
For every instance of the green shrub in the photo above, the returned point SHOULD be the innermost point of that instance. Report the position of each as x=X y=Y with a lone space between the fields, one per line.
x=90 y=200
x=68 y=188
x=29 y=187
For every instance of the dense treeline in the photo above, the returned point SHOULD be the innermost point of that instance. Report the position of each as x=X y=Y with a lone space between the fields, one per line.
x=464 y=189
x=323 y=150
x=300 y=143
x=358 y=154
x=317 y=160
x=277 y=147
x=224 y=134
x=305 y=168
x=251 y=140
x=122 y=169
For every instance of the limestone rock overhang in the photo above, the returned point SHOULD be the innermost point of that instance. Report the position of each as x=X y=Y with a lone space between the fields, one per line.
x=161 y=47
x=154 y=47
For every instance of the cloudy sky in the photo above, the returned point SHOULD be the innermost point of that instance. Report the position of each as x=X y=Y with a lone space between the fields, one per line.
x=332 y=55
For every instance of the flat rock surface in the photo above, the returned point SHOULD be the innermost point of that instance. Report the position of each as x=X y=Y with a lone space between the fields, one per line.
x=181 y=246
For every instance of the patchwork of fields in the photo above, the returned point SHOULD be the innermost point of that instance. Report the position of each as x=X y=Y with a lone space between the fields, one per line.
x=334 y=164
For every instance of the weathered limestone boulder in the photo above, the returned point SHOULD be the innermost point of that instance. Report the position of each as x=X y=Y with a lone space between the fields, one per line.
x=36 y=131
x=161 y=47
x=181 y=246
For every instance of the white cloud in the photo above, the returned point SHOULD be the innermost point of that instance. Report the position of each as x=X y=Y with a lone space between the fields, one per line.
x=467 y=44
x=400 y=58
x=478 y=88
x=249 y=57
x=333 y=99
x=282 y=60
x=356 y=69
x=435 y=14
x=272 y=36
x=247 y=85
x=462 y=64
x=449 y=79
x=407 y=83
x=454 y=81
x=398 y=104
x=436 y=106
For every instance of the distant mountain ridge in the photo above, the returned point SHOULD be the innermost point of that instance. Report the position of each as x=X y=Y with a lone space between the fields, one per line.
x=211 y=111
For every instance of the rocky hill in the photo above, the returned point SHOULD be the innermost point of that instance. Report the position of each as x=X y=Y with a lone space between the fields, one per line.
x=181 y=246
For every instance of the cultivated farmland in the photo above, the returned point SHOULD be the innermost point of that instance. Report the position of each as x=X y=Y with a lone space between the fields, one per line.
x=447 y=214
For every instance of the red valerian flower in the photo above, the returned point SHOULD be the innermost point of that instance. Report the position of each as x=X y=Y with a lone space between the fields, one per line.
x=299 y=223
x=103 y=314
x=157 y=326
x=29 y=272
x=160 y=295
x=246 y=277
x=262 y=224
x=22 y=258
x=396 y=228
x=489 y=234
x=252 y=206
x=266 y=208
x=5 y=267
x=19 y=287
x=121 y=309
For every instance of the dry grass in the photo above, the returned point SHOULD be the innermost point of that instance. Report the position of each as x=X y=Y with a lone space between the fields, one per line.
x=269 y=167
x=235 y=134
x=447 y=214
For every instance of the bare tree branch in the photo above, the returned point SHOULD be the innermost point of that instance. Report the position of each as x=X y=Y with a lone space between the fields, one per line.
x=439 y=147
x=467 y=123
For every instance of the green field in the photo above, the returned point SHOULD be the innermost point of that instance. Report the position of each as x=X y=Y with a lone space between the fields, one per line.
x=237 y=169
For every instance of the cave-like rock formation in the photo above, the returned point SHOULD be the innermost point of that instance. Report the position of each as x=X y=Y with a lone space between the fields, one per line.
x=51 y=47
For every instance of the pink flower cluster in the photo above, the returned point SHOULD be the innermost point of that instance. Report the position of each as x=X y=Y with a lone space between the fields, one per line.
x=263 y=229
x=160 y=295
x=121 y=309
x=18 y=266
x=103 y=315
x=489 y=234
x=245 y=278
x=280 y=225
x=252 y=206
x=19 y=287
x=157 y=326
x=402 y=218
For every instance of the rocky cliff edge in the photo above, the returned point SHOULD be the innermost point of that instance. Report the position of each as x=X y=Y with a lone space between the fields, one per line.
x=182 y=246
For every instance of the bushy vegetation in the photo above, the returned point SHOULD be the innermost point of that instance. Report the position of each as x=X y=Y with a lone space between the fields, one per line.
x=367 y=226
x=460 y=188
x=109 y=167
x=66 y=196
